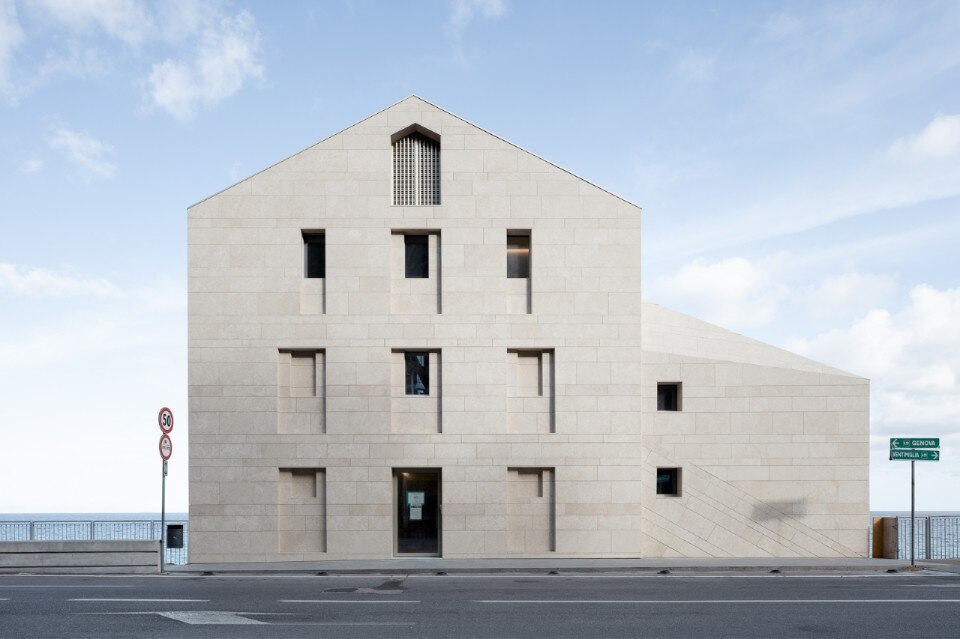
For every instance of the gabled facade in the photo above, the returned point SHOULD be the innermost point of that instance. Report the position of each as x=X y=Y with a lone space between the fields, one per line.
x=415 y=338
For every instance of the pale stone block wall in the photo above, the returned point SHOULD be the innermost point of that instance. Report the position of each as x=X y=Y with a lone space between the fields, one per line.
x=249 y=302
x=773 y=448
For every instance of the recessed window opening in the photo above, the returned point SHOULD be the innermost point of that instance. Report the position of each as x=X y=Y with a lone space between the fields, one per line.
x=668 y=481
x=417 y=378
x=416 y=170
x=668 y=396
x=314 y=255
x=416 y=256
x=518 y=255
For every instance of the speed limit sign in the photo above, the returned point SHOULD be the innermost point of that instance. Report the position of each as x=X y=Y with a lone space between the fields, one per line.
x=165 y=419
x=166 y=446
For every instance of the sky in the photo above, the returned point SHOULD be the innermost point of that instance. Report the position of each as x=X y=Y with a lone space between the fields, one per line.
x=798 y=165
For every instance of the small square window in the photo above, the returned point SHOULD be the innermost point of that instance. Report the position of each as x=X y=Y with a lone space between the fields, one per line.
x=668 y=481
x=668 y=396
x=518 y=256
x=314 y=255
x=416 y=256
x=417 y=378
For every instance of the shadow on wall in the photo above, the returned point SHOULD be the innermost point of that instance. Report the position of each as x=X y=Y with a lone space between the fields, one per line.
x=779 y=510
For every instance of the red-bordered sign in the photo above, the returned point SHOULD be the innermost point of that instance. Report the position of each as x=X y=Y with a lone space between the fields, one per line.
x=166 y=446
x=165 y=419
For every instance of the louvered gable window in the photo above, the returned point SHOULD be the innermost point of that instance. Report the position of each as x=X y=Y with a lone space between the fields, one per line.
x=416 y=170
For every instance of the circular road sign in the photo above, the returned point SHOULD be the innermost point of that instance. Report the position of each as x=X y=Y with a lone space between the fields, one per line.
x=165 y=419
x=166 y=446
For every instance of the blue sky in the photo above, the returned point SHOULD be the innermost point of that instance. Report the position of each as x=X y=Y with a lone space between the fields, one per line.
x=798 y=165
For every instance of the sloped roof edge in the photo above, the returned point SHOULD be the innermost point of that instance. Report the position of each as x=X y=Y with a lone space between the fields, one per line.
x=386 y=108
x=718 y=330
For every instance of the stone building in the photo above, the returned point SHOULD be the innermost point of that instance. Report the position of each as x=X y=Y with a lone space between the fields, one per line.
x=416 y=338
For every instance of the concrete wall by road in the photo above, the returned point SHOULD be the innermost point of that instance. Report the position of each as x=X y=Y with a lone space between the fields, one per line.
x=61 y=557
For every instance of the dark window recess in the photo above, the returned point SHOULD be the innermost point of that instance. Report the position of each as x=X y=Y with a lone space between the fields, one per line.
x=416 y=255
x=668 y=481
x=417 y=373
x=314 y=255
x=518 y=256
x=668 y=396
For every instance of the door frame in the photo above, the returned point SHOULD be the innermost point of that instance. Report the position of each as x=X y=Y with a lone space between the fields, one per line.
x=438 y=471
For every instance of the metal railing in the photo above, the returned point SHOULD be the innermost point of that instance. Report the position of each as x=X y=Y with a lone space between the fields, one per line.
x=935 y=537
x=132 y=530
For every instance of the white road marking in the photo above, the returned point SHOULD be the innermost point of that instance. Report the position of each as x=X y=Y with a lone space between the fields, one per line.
x=230 y=618
x=343 y=623
x=146 y=600
x=707 y=601
x=350 y=601
x=63 y=586
x=211 y=617
x=930 y=585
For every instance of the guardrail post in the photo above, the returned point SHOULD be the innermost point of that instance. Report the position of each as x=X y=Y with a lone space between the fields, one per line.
x=927 y=536
x=32 y=530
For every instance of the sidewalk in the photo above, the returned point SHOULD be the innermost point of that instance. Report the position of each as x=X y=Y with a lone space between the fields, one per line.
x=433 y=565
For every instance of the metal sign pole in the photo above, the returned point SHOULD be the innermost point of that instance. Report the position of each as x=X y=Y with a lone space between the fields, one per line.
x=163 y=515
x=912 y=515
x=165 y=421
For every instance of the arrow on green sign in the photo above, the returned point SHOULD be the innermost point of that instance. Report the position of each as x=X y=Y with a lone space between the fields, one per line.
x=914 y=442
x=916 y=455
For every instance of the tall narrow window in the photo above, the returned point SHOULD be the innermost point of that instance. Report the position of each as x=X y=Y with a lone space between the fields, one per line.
x=416 y=250
x=416 y=170
x=417 y=379
x=314 y=255
x=518 y=255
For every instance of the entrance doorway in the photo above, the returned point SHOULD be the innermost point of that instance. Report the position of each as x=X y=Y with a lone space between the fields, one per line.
x=417 y=522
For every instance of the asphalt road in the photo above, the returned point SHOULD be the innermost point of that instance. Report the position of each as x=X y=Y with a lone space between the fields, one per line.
x=555 y=606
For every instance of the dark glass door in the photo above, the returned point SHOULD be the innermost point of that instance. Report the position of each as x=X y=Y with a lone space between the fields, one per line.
x=418 y=512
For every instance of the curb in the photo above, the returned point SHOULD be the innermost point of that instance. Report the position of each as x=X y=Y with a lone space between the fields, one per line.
x=556 y=570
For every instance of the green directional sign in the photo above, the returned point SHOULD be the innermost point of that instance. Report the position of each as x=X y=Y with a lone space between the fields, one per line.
x=916 y=455
x=914 y=442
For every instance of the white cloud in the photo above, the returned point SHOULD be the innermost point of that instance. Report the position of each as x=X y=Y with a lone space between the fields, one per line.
x=83 y=150
x=739 y=293
x=11 y=37
x=939 y=139
x=849 y=294
x=40 y=282
x=912 y=356
x=694 y=66
x=782 y=25
x=83 y=334
x=126 y=20
x=31 y=166
x=463 y=12
x=210 y=52
x=881 y=183
x=734 y=292
x=226 y=57
x=77 y=61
